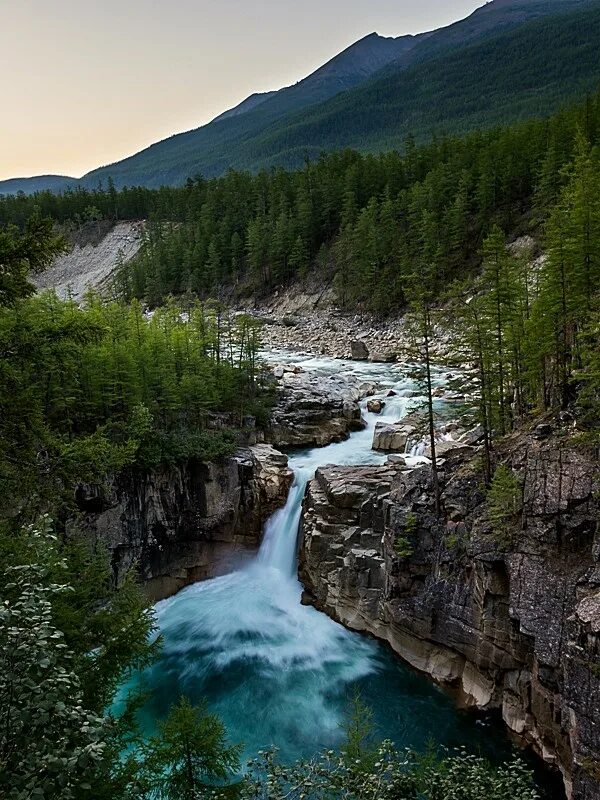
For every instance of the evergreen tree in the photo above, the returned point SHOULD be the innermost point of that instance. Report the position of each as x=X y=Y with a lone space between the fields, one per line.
x=188 y=756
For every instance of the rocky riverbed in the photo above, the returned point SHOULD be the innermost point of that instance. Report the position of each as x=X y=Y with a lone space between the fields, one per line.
x=340 y=335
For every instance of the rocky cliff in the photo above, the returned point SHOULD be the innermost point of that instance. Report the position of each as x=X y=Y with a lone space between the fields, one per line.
x=509 y=619
x=178 y=525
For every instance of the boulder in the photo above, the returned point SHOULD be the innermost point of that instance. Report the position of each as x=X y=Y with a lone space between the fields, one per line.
x=375 y=406
x=367 y=389
x=473 y=437
x=450 y=450
x=396 y=459
x=359 y=350
x=392 y=437
x=543 y=431
x=313 y=411
x=383 y=356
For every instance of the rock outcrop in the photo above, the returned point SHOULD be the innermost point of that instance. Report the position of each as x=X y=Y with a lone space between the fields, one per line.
x=313 y=410
x=178 y=525
x=391 y=437
x=510 y=620
x=395 y=437
x=359 y=350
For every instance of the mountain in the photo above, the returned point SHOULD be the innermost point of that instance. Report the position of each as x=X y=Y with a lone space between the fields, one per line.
x=54 y=183
x=208 y=149
x=508 y=60
x=345 y=102
x=515 y=75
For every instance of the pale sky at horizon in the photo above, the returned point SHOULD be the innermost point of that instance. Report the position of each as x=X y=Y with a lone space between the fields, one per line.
x=85 y=83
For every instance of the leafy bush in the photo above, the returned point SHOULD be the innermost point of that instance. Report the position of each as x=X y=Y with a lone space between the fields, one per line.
x=394 y=775
x=48 y=741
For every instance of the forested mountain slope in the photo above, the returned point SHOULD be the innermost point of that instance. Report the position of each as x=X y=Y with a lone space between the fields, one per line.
x=53 y=183
x=172 y=160
x=512 y=76
x=250 y=103
x=281 y=131
x=379 y=90
x=211 y=149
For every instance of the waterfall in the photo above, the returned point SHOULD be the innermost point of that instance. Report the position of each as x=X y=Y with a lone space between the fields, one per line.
x=276 y=671
x=279 y=545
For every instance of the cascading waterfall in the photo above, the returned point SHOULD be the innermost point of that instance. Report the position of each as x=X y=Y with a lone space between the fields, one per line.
x=278 y=548
x=280 y=673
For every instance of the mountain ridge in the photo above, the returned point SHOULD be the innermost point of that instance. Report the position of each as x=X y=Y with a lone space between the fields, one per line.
x=264 y=137
x=320 y=85
x=267 y=129
x=36 y=183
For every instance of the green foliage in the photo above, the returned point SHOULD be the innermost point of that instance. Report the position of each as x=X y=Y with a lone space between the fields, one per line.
x=589 y=376
x=22 y=253
x=504 y=503
x=105 y=628
x=188 y=756
x=531 y=328
x=68 y=639
x=183 y=445
x=592 y=768
x=49 y=741
x=393 y=775
x=568 y=281
x=370 y=223
x=471 y=777
x=87 y=391
x=360 y=748
x=403 y=545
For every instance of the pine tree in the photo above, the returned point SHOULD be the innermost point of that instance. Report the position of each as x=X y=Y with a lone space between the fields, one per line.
x=189 y=755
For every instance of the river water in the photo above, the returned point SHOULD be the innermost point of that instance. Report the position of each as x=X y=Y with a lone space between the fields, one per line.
x=280 y=673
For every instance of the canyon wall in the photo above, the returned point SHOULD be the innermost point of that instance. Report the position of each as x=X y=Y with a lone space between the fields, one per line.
x=512 y=621
x=180 y=524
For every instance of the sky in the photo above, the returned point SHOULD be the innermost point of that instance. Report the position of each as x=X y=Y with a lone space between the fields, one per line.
x=84 y=83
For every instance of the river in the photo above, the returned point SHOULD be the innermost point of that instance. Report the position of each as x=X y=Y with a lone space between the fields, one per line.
x=280 y=673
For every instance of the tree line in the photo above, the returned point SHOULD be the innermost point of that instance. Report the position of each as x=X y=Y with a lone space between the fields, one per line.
x=362 y=221
x=86 y=390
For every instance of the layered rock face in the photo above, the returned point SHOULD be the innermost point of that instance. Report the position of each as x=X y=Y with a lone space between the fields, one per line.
x=313 y=410
x=178 y=525
x=511 y=623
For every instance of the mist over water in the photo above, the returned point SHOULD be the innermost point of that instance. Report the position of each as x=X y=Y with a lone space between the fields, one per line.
x=280 y=673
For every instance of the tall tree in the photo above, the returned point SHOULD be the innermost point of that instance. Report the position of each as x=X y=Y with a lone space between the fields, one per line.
x=189 y=755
